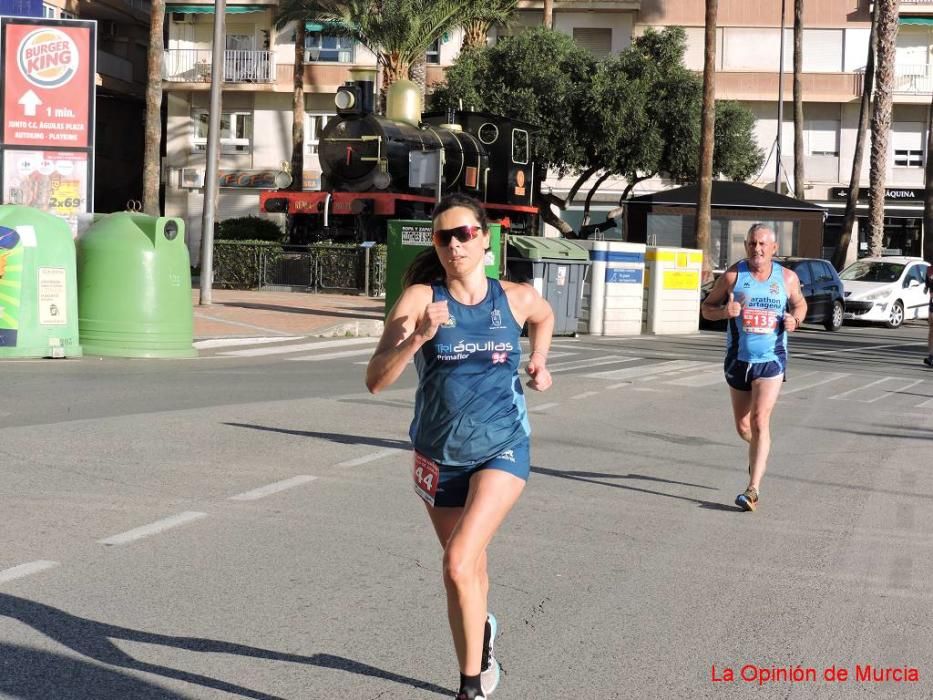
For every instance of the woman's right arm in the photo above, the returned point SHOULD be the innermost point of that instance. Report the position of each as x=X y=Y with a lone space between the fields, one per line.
x=411 y=323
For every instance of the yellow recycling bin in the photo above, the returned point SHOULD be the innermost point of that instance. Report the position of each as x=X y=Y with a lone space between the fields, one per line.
x=672 y=290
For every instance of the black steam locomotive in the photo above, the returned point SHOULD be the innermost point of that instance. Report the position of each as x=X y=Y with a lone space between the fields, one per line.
x=377 y=168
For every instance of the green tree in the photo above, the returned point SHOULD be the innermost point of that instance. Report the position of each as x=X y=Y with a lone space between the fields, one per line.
x=487 y=13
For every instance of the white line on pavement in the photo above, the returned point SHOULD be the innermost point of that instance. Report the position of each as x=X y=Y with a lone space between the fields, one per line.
x=595 y=362
x=542 y=407
x=301 y=347
x=833 y=376
x=925 y=404
x=154 y=528
x=230 y=342
x=331 y=355
x=372 y=457
x=584 y=395
x=808 y=355
x=644 y=370
x=269 y=489
x=33 y=567
x=861 y=388
x=705 y=378
x=888 y=393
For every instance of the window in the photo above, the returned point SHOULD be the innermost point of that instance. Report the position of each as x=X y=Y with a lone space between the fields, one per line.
x=519 y=146
x=320 y=46
x=67 y=15
x=49 y=11
x=822 y=138
x=598 y=41
x=907 y=138
x=236 y=131
x=433 y=54
x=314 y=125
x=824 y=272
x=916 y=272
x=803 y=273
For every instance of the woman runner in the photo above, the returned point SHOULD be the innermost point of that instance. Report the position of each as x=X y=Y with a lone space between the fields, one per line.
x=470 y=430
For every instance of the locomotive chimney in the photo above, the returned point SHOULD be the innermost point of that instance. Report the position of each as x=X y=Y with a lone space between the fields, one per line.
x=365 y=78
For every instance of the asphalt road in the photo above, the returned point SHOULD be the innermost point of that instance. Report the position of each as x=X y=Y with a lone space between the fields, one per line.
x=242 y=525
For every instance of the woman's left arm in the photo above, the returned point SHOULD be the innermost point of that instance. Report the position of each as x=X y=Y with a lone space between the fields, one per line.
x=530 y=307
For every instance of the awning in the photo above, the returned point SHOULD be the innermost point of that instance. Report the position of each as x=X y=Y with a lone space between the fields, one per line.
x=209 y=9
x=915 y=20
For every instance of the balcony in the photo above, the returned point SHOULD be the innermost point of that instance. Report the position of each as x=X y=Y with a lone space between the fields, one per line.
x=916 y=79
x=194 y=66
x=916 y=7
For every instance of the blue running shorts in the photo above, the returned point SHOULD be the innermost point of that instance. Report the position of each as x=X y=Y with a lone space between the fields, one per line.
x=453 y=482
x=740 y=375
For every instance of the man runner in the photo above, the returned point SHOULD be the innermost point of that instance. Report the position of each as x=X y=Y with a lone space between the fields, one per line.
x=763 y=303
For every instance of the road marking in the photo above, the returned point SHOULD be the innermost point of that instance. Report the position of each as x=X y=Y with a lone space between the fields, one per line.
x=584 y=395
x=645 y=370
x=153 y=528
x=33 y=567
x=833 y=376
x=331 y=355
x=595 y=362
x=701 y=379
x=228 y=322
x=372 y=457
x=889 y=393
x=542 y=407
x=869 y=347
x=925 y=404
x=230 y=342
x=275 y=487
x=301 y=347
x=860 y=388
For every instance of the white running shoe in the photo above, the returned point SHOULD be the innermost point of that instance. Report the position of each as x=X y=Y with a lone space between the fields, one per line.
x=489 y=670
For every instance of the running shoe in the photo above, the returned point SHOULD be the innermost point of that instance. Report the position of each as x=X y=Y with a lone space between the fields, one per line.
x=928 y=361
x=747 y=500
x=489 y=670
x=464 y=695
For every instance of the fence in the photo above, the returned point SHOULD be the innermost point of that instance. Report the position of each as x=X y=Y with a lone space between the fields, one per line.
x=313 y=268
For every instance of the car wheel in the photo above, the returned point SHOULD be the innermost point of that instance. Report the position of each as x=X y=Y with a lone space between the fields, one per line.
x=834 y=322
x=896 y=317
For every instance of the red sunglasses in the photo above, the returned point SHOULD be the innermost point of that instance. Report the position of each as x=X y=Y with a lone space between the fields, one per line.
x=464 y=234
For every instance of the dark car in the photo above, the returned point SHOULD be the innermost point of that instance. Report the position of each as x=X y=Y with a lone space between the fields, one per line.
x=820 y=285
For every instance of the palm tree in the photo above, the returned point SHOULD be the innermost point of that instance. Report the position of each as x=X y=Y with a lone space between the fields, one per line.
x=928 y=193
x=151 y=159
x=299 y=12
x=707 y=135
x=798 y=100
x=848 y=221
x=881 y=119
x=488 y=13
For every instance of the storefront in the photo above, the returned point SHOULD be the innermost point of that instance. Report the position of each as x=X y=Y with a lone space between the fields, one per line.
x=903 y=220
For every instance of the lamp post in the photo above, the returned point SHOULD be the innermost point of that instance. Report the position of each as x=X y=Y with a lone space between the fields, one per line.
x=213 y=141
x=780 y=114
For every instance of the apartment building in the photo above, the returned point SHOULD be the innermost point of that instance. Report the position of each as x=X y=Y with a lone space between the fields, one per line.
x=258 y=70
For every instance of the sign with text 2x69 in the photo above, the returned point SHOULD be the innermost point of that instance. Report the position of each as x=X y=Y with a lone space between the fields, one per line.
x=48 y=71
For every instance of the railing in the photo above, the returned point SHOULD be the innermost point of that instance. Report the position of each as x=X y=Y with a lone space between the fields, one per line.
x=915 y=79
x=194 y=66
x=315 y=268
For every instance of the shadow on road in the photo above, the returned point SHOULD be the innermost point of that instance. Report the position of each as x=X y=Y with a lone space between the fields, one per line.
x=595 y=478
x=95 y=640
x=332 y=437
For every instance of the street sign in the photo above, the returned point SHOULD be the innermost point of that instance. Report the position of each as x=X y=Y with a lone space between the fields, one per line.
x=47 y=114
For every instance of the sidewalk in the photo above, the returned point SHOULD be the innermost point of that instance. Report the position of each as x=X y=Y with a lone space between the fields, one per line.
x=247 y=314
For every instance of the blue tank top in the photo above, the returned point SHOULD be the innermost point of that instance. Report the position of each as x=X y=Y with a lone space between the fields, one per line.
x=758 y=334
x=469 y=406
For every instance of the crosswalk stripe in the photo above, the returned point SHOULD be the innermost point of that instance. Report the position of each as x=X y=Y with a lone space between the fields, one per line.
x=595 y=362
x=702 y=379
x=231 y=342
x=643 y=370
x=844 y=394
x=688 y=367
x=330 y=355
x=889 y=393
x=542 y=407
x=925 y=404
x=826 y=380
x=301 y=347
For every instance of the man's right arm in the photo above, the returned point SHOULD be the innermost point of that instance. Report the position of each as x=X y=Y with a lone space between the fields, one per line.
x=714 y=307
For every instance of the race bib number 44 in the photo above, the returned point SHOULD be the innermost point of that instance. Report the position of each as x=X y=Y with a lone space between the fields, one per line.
x=426 y=475
x=758 y=320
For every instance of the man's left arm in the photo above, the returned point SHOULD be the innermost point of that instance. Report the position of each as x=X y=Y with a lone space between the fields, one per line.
x=797 y=305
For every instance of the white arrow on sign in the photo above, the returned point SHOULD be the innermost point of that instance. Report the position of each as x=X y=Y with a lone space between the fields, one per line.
x=30 y=101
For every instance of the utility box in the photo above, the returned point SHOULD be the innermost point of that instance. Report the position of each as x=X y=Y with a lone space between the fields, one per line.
x=613 y=297
x=555 y=267
x=672 y=290
x=134 y=287
x=38 y=285
x=406 y=238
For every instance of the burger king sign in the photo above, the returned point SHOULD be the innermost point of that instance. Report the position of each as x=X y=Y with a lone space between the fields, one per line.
x=48 y=71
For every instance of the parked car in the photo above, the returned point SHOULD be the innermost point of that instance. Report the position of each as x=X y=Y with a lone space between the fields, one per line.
x=886 y=290
x=820 y=285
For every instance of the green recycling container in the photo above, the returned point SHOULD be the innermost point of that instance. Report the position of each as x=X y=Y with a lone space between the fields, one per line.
x=406 y=238
x=134 y=287
x=38 y=285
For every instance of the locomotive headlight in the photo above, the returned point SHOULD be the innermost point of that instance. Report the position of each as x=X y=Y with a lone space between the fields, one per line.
x=282 y=179
x=345 y=99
